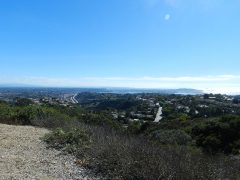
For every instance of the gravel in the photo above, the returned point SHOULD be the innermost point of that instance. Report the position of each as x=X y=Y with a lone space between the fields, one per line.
x=24 y=156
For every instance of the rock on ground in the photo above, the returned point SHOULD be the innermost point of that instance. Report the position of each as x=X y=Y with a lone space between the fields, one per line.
x=24 y=156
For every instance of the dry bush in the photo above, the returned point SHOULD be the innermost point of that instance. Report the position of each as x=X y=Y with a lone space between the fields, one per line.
x=119 y=156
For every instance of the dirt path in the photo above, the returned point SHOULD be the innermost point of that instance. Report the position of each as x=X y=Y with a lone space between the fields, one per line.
x=24 y=156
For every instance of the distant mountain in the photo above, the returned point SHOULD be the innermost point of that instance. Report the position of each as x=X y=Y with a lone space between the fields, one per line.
x=161 y=91
x=27 y=87
x=188 y=91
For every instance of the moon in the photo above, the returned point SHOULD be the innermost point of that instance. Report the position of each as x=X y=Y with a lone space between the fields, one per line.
x=167 y=17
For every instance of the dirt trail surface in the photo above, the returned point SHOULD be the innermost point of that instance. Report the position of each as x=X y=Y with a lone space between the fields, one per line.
x=24 y=156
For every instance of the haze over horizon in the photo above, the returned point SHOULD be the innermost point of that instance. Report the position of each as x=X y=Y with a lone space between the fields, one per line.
x=122 y=43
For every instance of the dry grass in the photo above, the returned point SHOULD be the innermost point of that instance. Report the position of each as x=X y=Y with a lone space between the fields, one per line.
x=118 y=156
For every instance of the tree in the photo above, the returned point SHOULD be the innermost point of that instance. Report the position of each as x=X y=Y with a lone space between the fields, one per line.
x=206 y=96
x=24 y=102
x=221 y=135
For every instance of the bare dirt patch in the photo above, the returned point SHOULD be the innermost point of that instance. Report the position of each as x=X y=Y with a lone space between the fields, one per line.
x=24 y=156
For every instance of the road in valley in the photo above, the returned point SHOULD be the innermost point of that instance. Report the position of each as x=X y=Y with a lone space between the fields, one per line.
x=159 y=115
x=73 y=99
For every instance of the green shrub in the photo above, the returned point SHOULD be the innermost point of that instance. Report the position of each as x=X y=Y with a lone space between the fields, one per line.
x=221 y=135
x=24 y=102
x=134 y=127
x=171 y=137
x=50 y=118
x=72 y=141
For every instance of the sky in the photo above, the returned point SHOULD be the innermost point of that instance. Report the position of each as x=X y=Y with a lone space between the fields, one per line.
x=121 y=43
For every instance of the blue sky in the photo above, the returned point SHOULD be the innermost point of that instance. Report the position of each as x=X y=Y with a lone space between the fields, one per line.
x=121 y=43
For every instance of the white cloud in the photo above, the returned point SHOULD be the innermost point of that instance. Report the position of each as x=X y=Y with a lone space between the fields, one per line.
x=170 y=79
x=223 y=90
x=217 y=84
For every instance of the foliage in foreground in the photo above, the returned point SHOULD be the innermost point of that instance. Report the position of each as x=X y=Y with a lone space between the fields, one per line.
x=70 y=141
x=118 y=156
x=220 y=135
